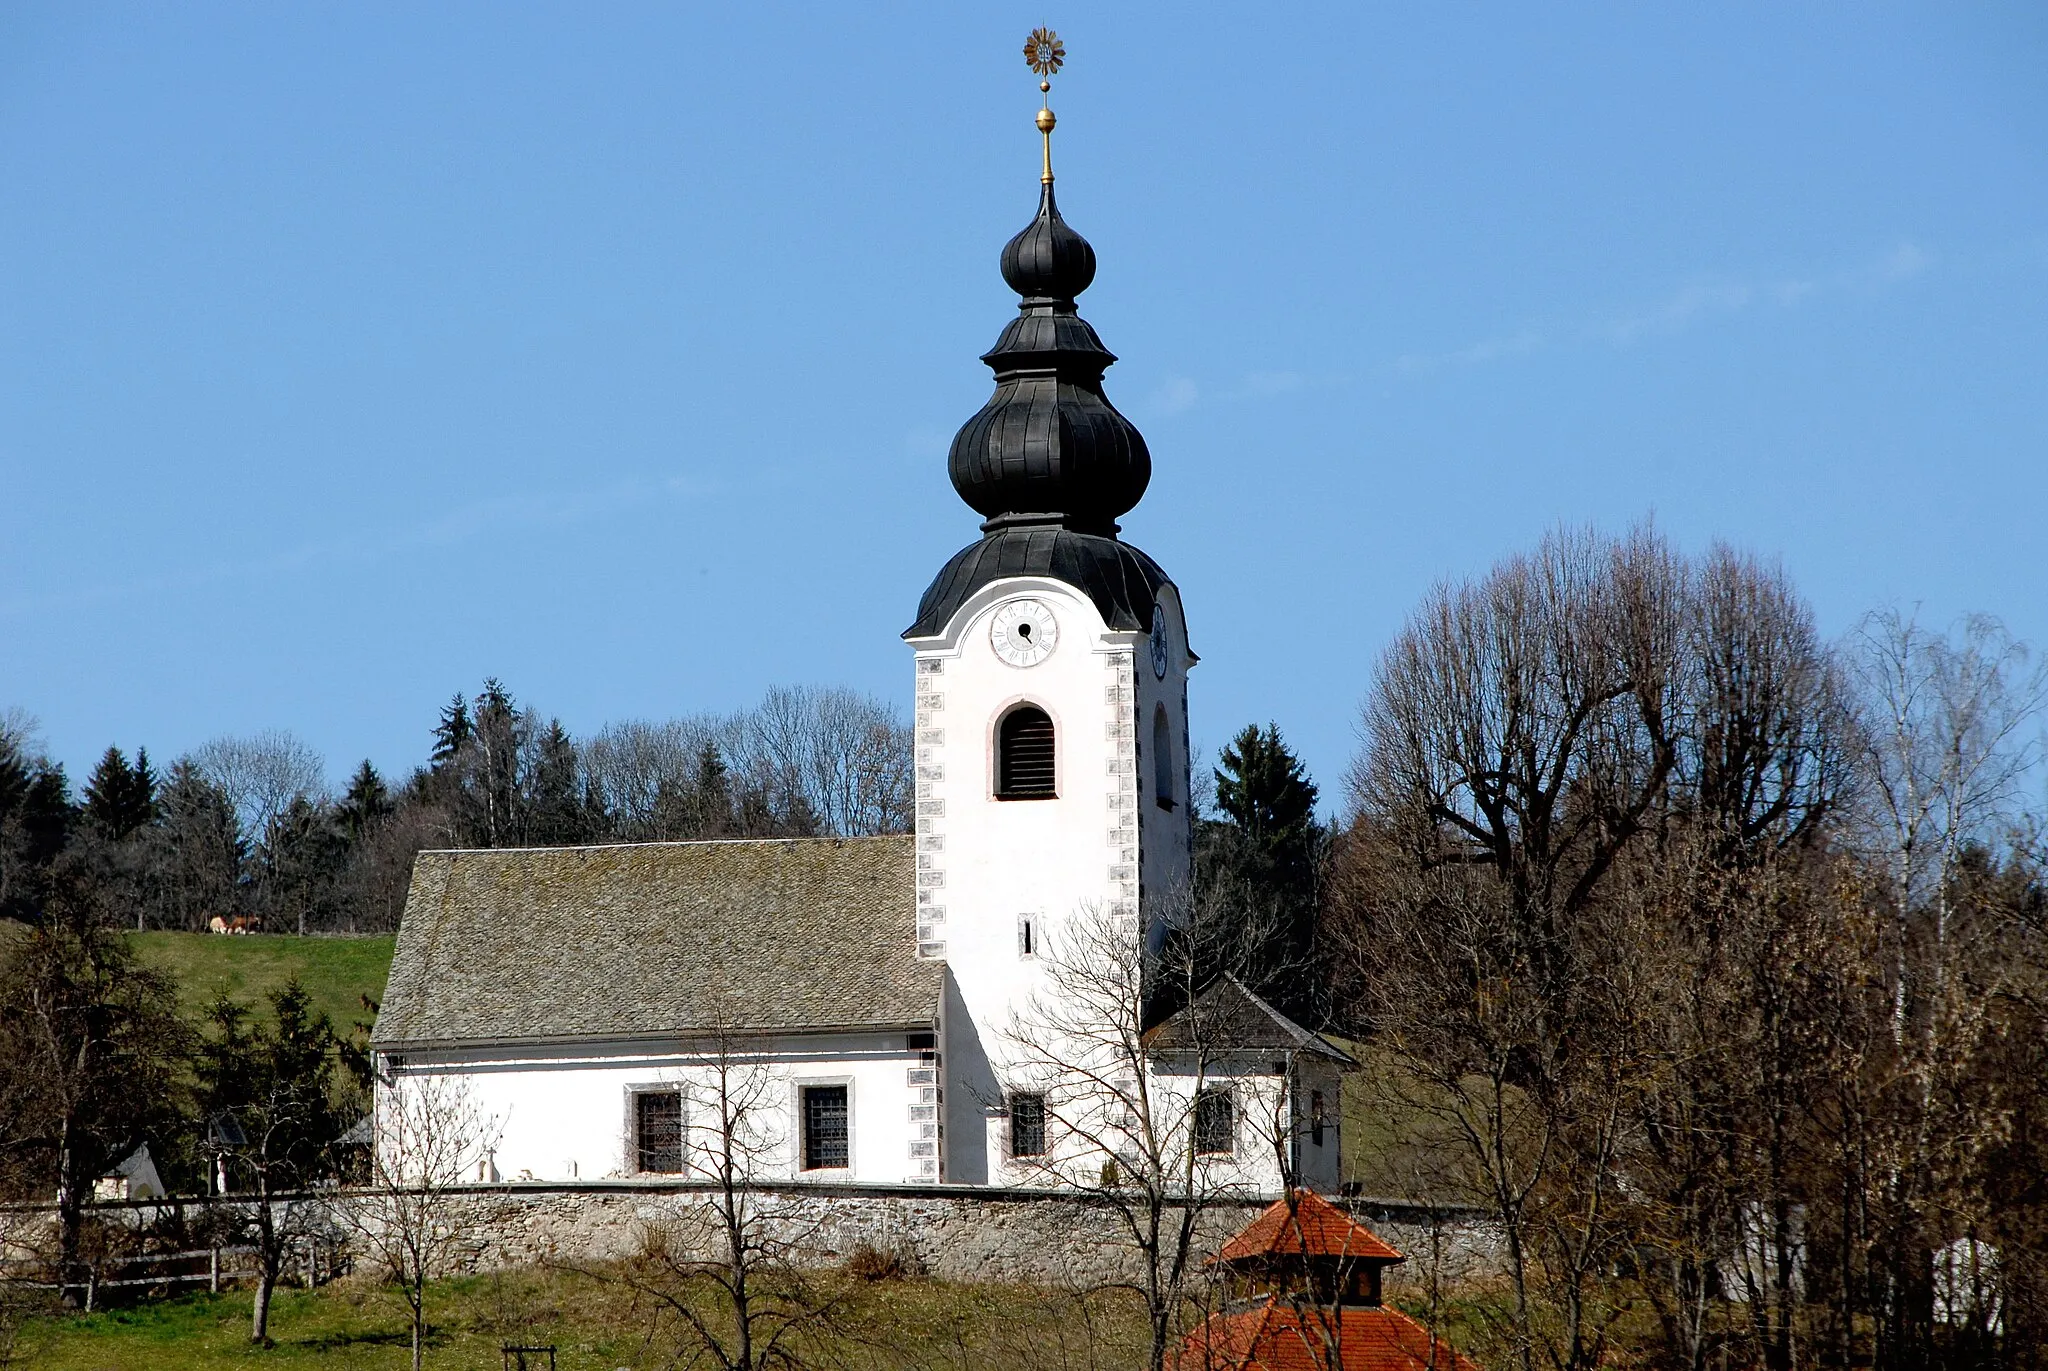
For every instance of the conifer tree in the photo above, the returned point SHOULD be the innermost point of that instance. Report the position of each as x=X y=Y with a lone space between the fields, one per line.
x=451 y=733
x=553 y=802
x=92 y=1048
x=200 y=854
x=366 y=803
x=1264 y=856
x=271 y=1088
x=35 y=821
x=119 y=798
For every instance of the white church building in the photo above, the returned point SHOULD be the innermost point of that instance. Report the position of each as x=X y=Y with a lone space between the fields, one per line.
x=892 y=1009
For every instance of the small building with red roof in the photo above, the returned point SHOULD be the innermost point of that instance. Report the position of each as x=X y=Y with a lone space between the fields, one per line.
x=1304 y=1281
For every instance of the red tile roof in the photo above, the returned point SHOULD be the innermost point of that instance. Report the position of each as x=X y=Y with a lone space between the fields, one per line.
x=1273 y=1336
x=1315 y=1227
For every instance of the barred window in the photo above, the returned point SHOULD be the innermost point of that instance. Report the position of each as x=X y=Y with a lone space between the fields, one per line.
x=1215 y=1121
x=1027 y=1125
x=1025 y=749
x=658 y=1131
x=825 y=1127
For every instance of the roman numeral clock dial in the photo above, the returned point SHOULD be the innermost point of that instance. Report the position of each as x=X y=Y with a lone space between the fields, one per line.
x=1024 y=633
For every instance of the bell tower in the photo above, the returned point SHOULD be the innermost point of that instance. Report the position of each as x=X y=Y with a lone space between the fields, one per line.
x=1051 y=663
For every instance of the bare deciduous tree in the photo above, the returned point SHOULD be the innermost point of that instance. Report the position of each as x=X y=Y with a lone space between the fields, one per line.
x=847 y=756
x=1122 y=1111
x=1947 y=748
x=432 y=1136
x=261 y=775
x=729 y=1279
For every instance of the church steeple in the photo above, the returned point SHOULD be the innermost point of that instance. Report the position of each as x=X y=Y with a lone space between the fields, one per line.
x=1048 y=462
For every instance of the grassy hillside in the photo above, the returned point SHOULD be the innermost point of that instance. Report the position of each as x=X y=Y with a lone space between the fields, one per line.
x=337 y=972
x=597 y=1325
x=1398 y=1141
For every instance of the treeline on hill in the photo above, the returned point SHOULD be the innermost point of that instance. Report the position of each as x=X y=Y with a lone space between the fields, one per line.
x=1709 y=961
x=245 y=828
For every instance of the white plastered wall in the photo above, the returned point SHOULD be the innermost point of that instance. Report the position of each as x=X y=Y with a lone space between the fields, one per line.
x=985 y=865
x=566 y=1113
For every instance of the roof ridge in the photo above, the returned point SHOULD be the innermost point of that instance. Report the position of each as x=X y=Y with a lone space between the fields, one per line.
x=669 y=842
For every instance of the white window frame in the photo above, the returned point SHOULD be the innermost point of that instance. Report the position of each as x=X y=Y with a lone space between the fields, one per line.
x=801 y=1134
x=632 y=1157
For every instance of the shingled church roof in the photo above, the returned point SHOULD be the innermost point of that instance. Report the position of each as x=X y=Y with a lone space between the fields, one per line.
x=658 y=940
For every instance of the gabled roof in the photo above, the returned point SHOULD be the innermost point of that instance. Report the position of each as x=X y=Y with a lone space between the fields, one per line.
x=1313 y=1227
x=658 y=940
x=1228 y=1016
x=1275 y=1336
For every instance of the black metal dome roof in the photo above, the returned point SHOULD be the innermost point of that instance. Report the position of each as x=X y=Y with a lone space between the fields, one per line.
x=1123 y=582
x=1048 y=448
x=1048 y=462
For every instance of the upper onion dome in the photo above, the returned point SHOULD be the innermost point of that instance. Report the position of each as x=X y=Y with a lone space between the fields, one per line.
x=1047 y=448
x=1048 y=260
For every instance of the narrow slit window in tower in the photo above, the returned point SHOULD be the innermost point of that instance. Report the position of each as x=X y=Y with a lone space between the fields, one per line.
x=1024 y=755
x=1162 y=758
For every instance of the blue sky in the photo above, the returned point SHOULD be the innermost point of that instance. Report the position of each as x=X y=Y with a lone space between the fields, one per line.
x=350 y=353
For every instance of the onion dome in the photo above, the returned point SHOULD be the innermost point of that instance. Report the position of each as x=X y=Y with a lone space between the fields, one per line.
x=1047 y=449
x=1047 y=261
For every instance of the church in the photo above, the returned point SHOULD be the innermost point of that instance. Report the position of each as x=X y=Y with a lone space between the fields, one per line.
x=896 y=1010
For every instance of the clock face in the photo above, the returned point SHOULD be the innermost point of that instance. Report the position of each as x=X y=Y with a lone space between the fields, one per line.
x=1159 y=642
x=1024 y=633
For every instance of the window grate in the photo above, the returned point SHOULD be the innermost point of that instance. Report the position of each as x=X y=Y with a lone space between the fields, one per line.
x=1027 y=1125
x=825 y=1127
x=1025 y=755
x=658 y=1130
x=1215 y=1122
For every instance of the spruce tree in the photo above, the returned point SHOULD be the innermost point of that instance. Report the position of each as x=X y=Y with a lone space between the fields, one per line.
x=451 y=733
x=271 y=1086
x=203 y=859
x=1265 y=856
x=36 y=817
x=364 y=804
x=553 y=803
x=119 y=798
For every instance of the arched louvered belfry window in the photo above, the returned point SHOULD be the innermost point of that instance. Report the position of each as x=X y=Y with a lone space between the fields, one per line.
x=1025 y=768
x=1162 y=758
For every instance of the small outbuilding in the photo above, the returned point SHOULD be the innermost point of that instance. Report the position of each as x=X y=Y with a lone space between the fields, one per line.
x=134 y=1177
x=1304 y=1282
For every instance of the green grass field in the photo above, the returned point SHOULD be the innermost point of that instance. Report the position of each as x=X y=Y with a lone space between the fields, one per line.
x=336 y=971
x=595 y=1325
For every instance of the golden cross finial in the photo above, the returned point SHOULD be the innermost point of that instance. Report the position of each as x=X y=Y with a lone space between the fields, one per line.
x=1045 y=54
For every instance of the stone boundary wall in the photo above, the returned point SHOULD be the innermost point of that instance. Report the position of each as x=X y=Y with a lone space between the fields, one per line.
x=959 y=1233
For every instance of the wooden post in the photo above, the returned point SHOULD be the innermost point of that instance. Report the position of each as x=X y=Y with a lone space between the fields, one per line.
x=213 y=1269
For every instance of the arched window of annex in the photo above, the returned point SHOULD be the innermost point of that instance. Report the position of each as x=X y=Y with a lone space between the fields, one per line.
x=1162 y=758
x=1026 y=755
